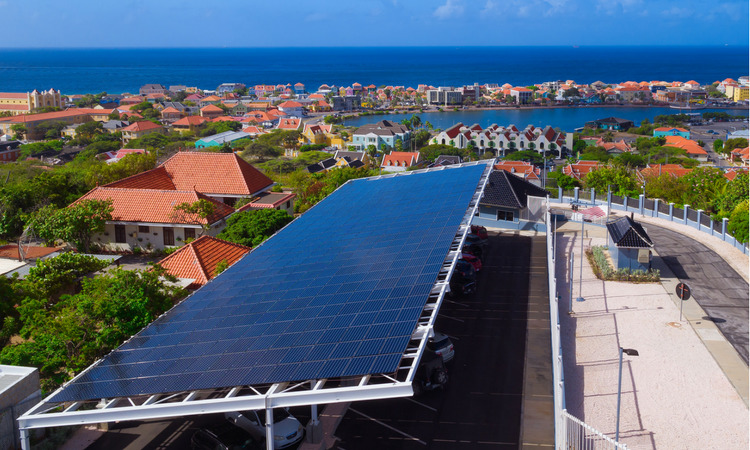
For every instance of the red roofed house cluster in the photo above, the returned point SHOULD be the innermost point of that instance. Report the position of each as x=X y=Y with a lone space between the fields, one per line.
x=144 y=204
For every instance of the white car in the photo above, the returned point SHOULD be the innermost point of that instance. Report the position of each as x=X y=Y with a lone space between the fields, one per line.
x=287 y=430
x=442 y=346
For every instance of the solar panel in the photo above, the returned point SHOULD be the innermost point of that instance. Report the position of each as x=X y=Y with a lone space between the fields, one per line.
x=336 y=293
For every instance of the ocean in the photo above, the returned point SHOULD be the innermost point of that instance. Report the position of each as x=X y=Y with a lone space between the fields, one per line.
x=565 y=118
x=77 y=71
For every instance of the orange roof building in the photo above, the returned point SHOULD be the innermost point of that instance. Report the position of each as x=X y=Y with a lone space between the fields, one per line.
x=692 y=148
x=189 y=123
x=399 y=161
x=521 y=169
x=655 y=170
x=199 y=259
x=580 y=169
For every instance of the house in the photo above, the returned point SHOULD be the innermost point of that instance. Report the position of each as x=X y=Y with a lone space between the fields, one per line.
x=444 y=96
x=291 y=108
x=198 y=260
x=283 y=201
x=656 y=170
x=24 y=103
x=113 y=126
x=299 y=88
x=144 y=214
x=692 y=148
x=217 y=140
x=445 y=160
x=346 y=102
x=351 y=159
x=613 y=148
x=289 y=124
x=521 y=169
x=190 y=123
x=731 y=174
x=671 y=131
x=152 y=89
x=170 y=114
x=741 y=155
x=225 y=88
x=580 y=169
x=611 y=123
x=32 y=121
x=113 y=157
x=522 y=95
x=139 y=129
x=9 y=151
x=322 y=166
x=384 y=133
x=211 y=112
x=146 y=218
x=318 y=134
x=511 y=202
x=399 y=161
x=629 y=245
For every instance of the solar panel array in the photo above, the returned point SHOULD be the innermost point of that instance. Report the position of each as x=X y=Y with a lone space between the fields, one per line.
x=336 y=293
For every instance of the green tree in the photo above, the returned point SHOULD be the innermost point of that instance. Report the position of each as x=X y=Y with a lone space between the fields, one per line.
x=251 y=228
x=622 y=180
x=706 y=184
x=733 y=143
x=76 y=223
x=197 y=212
x=19 y=130
x=90 y=129
x=738 y=222
x=719 y=146
x=733 y=194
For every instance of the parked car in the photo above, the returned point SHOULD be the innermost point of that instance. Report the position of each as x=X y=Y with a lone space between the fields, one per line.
x=473 y=249
x=479 y=231
x=287 y=430
x=223 y=436
x=461 y=286
x=474 y=239
x=431 y=374
x=442 y=346
x=465 y=268
x=473 y=260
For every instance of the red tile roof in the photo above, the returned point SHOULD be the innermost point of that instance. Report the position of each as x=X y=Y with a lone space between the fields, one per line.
x=31 y=252
x=43 y=116
x=290 y=104
x=190 y=121
x=691 y=147
x=400 y=159
x=211 y=108
x=198 y=259
x=154 y=206
x=141 y=126
x=289 y=124
x=580 y=169
x=654 y=170
x=20 y=95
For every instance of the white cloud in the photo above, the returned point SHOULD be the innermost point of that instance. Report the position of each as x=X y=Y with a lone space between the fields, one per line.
x=450 y=9
x=524 y=8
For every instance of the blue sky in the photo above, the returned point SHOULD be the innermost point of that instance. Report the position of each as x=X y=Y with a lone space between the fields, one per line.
x=335 y=23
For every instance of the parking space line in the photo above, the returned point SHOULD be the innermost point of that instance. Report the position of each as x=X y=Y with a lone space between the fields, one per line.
x=408 y=436
x=455 y=302
x=421 y=404
x=452 y=318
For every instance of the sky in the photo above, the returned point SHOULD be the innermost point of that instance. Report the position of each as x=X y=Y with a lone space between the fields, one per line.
x=356 y=23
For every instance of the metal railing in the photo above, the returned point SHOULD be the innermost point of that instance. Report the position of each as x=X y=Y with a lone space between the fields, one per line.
x=658 y=209
x=570 y=433
x=577 y=435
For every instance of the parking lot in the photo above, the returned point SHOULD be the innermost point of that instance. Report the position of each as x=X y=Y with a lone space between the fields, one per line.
x=481 y=405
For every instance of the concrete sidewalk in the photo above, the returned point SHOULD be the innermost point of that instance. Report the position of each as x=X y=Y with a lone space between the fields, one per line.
x=674 y=395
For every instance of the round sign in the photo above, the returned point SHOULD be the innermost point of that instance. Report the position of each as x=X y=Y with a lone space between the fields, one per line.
x=683 y=291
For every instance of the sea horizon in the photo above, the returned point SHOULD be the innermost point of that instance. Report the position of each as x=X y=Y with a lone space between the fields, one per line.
x=75 y=70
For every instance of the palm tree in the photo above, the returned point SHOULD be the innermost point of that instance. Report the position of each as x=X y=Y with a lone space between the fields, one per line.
x=416 y=121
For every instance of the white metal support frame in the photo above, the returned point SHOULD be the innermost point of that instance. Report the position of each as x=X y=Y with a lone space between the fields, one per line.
x=270 y=396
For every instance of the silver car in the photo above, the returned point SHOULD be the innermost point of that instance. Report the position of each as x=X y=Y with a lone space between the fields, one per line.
x=287 y=430
x=442 y=346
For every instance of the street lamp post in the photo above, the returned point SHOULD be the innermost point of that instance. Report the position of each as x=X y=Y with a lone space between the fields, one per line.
x=580 y=269
x=629 y=352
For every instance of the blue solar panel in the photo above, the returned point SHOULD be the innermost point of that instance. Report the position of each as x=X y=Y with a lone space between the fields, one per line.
x=336 y=293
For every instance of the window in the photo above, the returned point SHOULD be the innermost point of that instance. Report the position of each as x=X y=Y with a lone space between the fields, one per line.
x=288 y=204
x=505 y=215
x=120 y=237
x=143 y=228
x=168 y=236
x=189 y=233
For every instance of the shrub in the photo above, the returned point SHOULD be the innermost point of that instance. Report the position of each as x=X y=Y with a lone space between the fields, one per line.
x=604 y=271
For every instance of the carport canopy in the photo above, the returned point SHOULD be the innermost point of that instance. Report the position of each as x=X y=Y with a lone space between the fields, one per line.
x=335 y=307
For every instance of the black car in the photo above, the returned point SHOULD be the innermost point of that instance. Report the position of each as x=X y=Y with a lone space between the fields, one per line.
x=431 y=373
x=223 y=436
x=474 y=249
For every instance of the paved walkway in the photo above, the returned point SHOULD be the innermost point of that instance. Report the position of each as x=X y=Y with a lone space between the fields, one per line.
x=674 y=394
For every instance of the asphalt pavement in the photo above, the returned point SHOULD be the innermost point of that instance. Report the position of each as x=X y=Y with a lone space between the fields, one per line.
x=482 y=403
x=716 y=287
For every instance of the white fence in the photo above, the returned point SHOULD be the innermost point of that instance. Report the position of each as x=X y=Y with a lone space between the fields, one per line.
x=570 y=432
x=579 y=436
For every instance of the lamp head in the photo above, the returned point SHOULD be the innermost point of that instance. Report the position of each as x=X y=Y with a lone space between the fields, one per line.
x=630 y=351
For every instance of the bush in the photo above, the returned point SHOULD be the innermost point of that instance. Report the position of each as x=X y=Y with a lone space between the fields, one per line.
x=738 y=222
